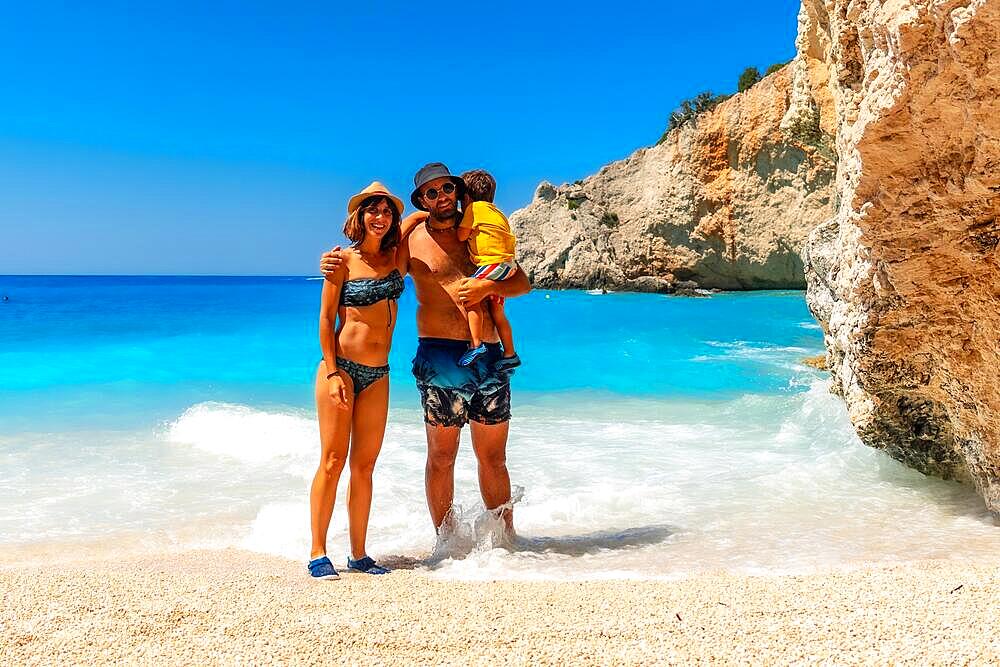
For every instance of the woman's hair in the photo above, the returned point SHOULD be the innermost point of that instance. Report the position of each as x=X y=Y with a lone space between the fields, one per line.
x=354 y=228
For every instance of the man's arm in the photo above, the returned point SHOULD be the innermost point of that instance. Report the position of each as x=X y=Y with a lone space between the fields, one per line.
x=474 y=290
x=517 y=285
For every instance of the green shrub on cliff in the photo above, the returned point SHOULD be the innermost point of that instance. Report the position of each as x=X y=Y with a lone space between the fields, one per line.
x=750 y=76
x=688 y=110
x=775 y=67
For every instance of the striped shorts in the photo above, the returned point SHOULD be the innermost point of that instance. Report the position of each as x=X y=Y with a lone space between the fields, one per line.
x=498 y=271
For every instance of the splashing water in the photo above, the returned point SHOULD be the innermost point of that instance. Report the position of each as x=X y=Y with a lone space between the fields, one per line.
x=476 y=531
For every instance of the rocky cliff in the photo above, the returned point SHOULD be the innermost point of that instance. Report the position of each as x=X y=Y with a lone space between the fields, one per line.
x=725 y=202
x=905 y=277
x=882 y=139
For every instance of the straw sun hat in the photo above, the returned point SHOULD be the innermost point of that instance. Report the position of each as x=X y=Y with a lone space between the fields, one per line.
x=376 y=189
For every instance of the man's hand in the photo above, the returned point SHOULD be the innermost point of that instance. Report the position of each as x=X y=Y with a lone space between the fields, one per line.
x=474 y=290
x=331 y=261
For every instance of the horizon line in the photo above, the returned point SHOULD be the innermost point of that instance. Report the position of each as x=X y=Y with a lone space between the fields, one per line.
x=159 y=275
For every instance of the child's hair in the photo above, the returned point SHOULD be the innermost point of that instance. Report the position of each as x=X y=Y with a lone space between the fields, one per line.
x=354 y=228
x=480 y=185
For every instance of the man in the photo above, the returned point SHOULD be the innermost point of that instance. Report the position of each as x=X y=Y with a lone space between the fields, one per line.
x=453 y=396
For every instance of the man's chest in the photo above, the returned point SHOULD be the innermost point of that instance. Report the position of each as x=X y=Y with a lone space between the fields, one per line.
x=443 y=260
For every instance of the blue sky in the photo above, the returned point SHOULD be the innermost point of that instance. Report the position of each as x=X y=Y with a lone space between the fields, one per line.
x=225 y=137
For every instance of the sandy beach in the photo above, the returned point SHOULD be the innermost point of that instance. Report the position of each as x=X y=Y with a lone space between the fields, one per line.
x=226 y=607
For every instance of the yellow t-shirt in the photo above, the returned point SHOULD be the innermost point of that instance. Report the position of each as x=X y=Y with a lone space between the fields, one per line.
x=491 y=240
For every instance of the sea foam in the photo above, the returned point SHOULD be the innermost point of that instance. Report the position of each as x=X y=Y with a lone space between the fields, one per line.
x=243 y=433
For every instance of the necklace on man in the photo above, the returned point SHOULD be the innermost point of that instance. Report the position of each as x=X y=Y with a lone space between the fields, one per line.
x=431 y=228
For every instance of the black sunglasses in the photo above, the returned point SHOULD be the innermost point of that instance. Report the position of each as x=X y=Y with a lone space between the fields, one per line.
x=430 y=194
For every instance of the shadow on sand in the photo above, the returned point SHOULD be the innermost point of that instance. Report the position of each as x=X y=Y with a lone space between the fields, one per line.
x=592 y=543
x=566 y=545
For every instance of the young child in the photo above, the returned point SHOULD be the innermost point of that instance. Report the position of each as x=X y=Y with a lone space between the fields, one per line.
x=491 y=247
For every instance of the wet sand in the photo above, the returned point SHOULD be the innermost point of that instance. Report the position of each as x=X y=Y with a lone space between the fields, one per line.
x=226 y=607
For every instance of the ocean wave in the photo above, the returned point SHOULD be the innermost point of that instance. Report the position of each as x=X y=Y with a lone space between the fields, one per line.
x=785 y=357
x=744 y=347
x=243 y=433
x=651 y=488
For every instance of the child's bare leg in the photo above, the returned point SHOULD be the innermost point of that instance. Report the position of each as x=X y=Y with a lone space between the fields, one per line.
x=475 y=314
x=503 y=327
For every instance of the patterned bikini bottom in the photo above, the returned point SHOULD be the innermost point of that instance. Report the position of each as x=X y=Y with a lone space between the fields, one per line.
x=362 y=376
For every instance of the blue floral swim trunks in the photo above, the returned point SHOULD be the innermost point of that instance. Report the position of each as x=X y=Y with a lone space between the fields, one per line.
x=452 y=395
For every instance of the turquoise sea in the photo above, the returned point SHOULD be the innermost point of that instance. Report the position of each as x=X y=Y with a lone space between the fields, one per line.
x=652 y=435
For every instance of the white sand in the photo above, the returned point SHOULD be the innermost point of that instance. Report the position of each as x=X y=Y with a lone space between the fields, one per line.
x=225 y=607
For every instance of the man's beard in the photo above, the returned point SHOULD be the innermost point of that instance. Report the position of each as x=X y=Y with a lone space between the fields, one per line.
x=448 y=217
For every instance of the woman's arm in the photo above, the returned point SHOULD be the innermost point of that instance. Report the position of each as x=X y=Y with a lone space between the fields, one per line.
x=403 y=256
x=409 y=223
x=329 y=306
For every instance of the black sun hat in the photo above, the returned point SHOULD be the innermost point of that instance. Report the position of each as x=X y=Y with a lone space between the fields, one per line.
x=428 y=173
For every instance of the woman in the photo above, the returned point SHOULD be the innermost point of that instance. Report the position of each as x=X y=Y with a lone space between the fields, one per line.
x=352 y=383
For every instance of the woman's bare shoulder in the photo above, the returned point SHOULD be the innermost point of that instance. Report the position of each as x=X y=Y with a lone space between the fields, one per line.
x=353 y=263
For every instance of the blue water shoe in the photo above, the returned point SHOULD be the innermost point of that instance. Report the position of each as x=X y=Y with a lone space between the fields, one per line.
x=507 y=363
x=321 y=568
x=472 y=354
x=366 y=565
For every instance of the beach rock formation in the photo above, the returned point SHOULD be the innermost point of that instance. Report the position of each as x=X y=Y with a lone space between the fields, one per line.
x=905 y=277
x=725 y=202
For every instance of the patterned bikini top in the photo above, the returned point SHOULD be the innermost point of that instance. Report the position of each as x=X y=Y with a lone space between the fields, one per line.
x=366 y=291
